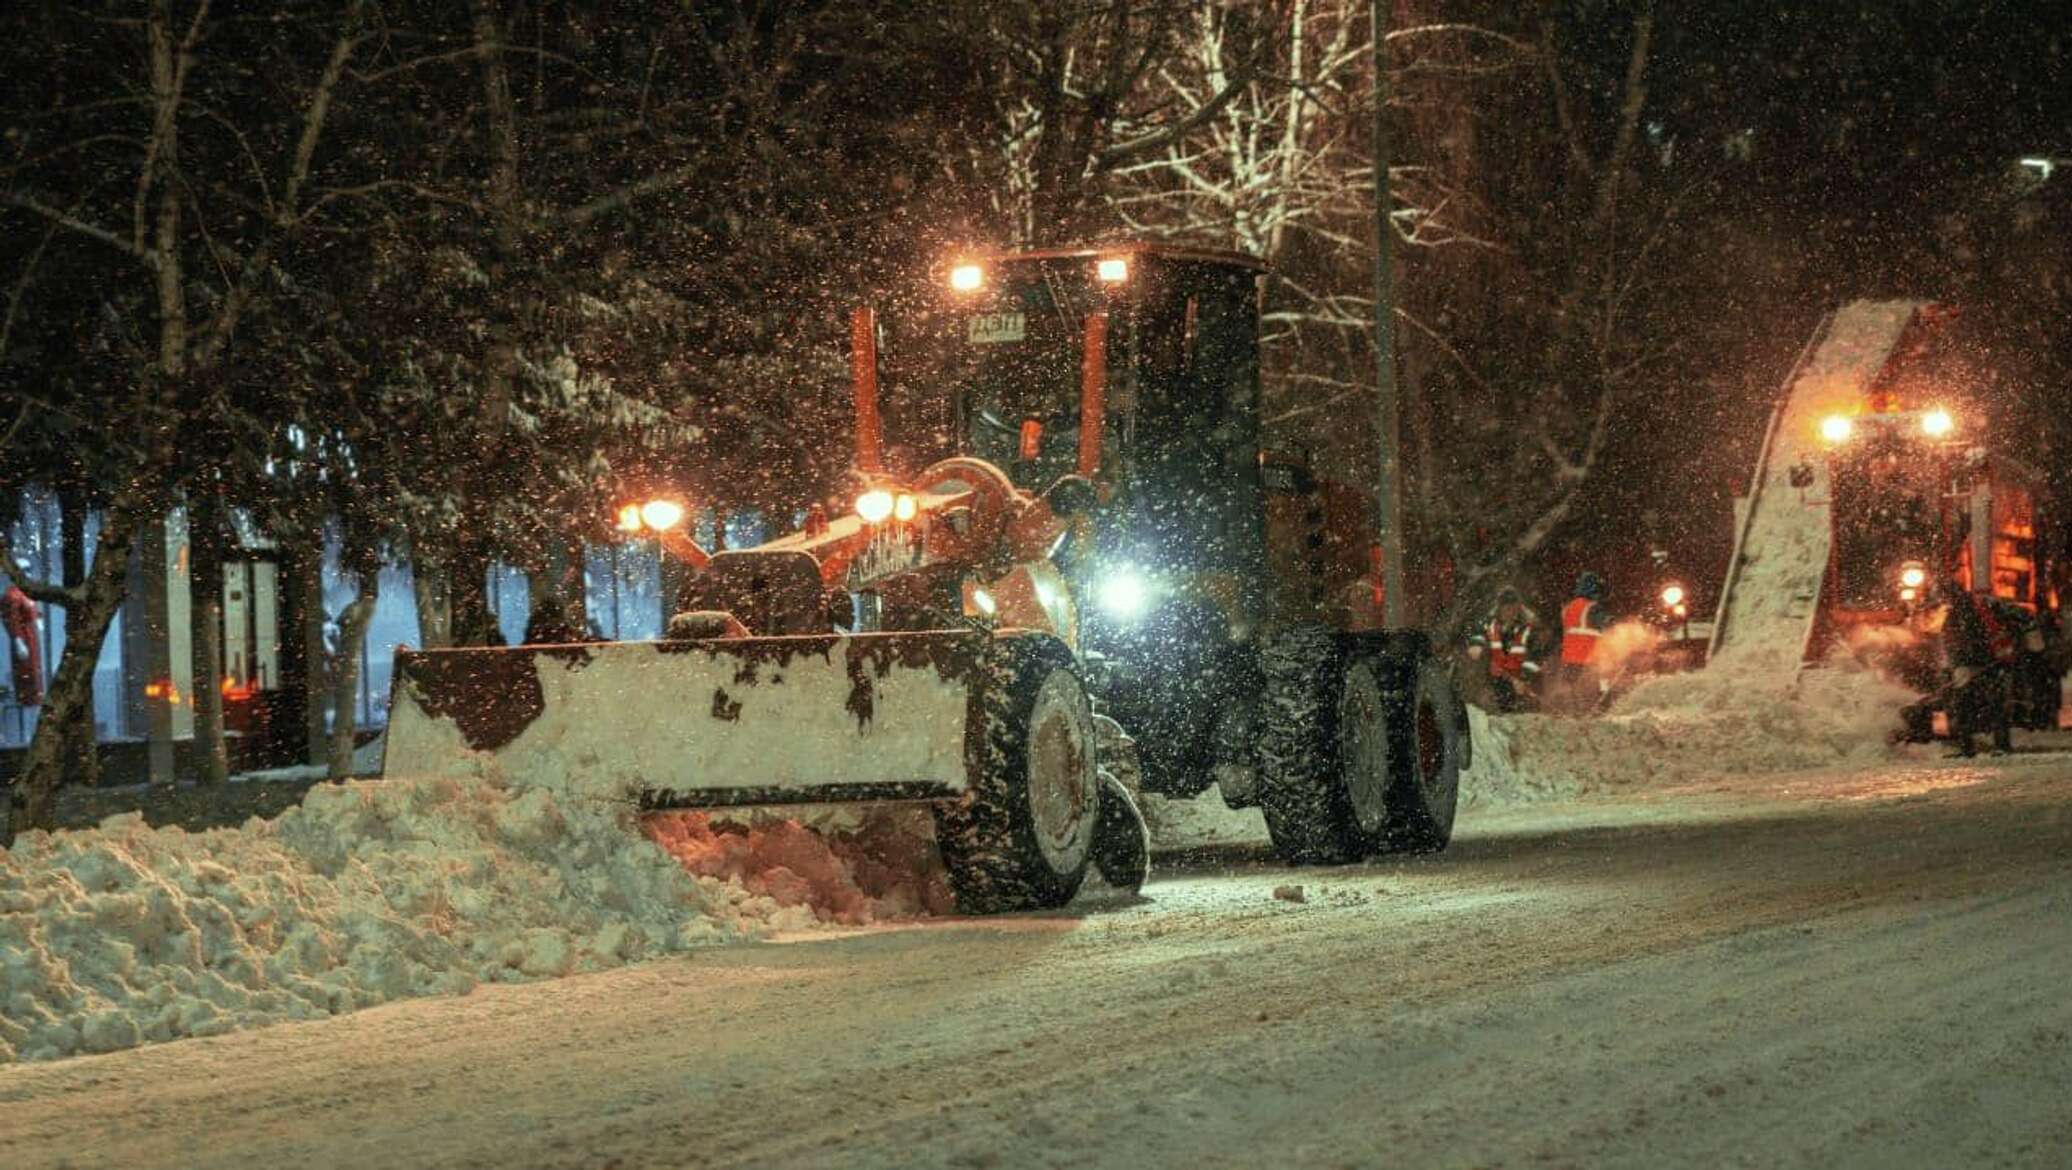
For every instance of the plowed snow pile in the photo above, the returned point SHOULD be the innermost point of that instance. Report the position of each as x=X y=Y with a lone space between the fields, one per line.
x=1683 y=727
x=370 y=892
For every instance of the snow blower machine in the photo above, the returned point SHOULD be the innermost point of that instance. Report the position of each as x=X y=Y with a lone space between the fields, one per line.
x=1109 y=587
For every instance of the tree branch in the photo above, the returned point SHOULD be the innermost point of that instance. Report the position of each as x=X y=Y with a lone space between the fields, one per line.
x=38 y=590
x=319 y=110
x=583 y=213
x=1240 y=79
x=73 y=223
x=1636 y=95
x=287 y=216
x=1564 y=109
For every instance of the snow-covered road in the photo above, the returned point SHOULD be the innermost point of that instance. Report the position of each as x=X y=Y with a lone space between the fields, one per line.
x=1849 y=968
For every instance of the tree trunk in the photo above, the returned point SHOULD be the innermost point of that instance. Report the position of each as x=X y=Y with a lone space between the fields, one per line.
x=316 y=687
x=205 y=543
x=345 y=674
x=573 y=584
x=497 y=370
x=467 y=591
x=82 y=748
x=433 y=592
x=43 y=769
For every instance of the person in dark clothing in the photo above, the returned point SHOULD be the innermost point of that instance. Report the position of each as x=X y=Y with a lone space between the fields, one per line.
x=549 y=624
x=2036 y=679
x=1980 y=650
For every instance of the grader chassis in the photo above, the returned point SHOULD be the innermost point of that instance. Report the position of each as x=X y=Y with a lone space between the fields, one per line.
x=1110 y=539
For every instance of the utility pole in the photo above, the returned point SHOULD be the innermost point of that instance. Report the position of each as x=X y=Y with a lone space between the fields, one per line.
x=1388 y=414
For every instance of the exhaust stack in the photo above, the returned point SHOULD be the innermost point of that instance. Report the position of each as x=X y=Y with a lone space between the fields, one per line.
x=863 y=378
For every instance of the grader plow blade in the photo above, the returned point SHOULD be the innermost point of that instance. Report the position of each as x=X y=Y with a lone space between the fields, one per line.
x=726 y=722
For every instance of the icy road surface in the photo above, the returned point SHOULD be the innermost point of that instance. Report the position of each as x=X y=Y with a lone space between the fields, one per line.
x=1860 y=968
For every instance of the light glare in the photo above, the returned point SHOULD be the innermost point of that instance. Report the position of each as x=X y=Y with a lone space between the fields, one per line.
x=1123 y=594
x=1113 y=270
x=1937 y=423
x=661 y=515
x=874 y=505
x=967 y=277
x=1836 y=428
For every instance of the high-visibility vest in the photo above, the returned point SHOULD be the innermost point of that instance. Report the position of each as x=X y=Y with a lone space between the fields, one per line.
x=1507 y=654
x=1578 y=636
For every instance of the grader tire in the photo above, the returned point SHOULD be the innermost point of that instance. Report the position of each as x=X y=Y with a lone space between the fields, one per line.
x=1021 y=836
x=1122 y=841
x=1427 y=749
x=1360 y=749
x=1309 y=812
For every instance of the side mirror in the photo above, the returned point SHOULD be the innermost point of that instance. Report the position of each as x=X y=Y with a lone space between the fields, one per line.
x=1071 y=495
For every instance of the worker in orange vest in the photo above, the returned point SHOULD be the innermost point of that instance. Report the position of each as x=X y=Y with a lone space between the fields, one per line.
x=1510 y=642
x=1583 y=621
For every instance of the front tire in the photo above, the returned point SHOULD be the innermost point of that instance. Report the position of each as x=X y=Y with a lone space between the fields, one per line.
x=1122 y=841
x=1021 y=837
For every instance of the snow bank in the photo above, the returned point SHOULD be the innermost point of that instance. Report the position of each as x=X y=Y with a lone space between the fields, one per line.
x=370 y=892
x=1680 y=727
x=853 y=866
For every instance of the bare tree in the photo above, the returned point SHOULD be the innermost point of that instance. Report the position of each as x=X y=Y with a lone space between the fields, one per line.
x=215 y=187
x=1530 y=226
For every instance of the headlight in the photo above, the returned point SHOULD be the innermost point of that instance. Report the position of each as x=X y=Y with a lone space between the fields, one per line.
x=967 y=277
x=1672 y=595
x=983 y=602
x=874 y=505
x=1937 y=423
x=661 y=515
x=1913 y=576
x=1113 y=270
x=1835 y=428
x=904 y=507
x=1124 y=593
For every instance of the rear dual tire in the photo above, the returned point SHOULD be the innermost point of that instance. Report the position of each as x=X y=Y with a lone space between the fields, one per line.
x=1360 y=748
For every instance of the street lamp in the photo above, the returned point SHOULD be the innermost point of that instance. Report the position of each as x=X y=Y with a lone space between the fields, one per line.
x=657 y=515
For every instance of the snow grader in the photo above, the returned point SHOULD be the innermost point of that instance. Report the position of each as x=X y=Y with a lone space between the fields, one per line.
x=1109 y=587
